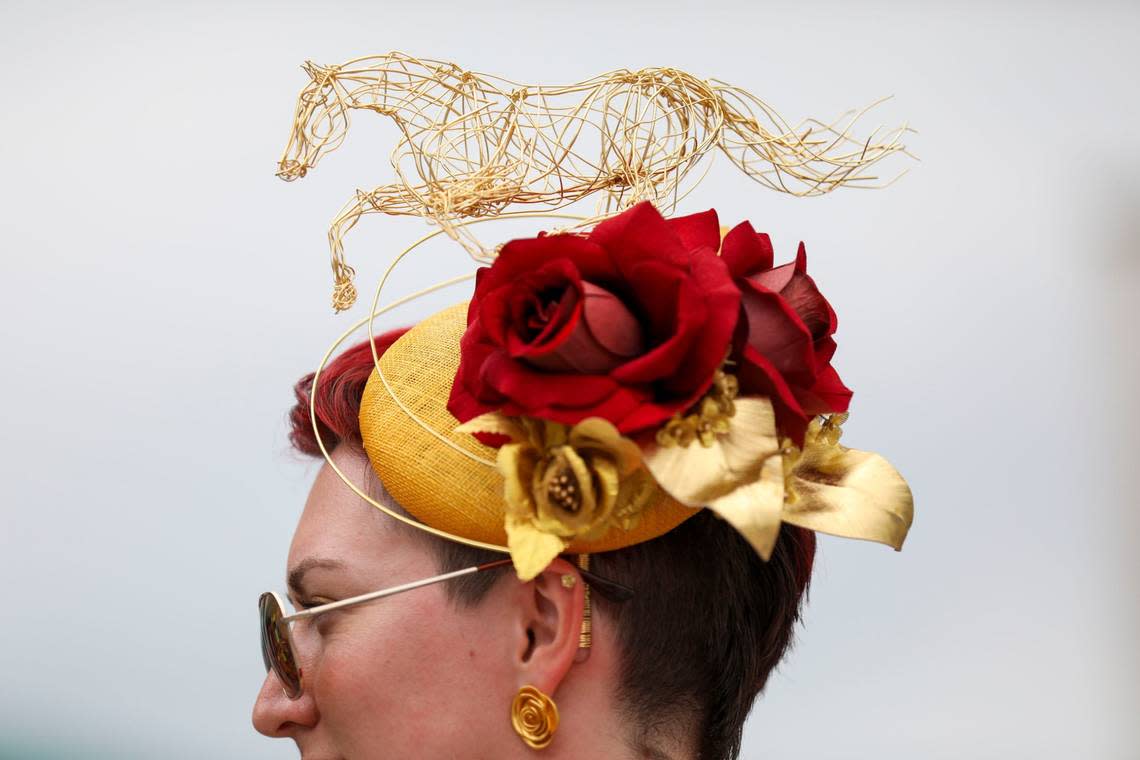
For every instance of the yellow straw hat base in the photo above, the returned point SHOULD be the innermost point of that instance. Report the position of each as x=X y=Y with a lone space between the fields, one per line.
x=449 y=480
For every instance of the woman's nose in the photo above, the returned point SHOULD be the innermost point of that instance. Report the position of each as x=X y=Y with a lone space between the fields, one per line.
x=274 y=714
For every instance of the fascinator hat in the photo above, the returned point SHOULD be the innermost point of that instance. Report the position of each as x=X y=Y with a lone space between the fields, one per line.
x=610 y=377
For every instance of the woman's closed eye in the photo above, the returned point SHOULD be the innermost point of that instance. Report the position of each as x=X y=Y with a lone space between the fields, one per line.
x=309 y=603
x=317 y=601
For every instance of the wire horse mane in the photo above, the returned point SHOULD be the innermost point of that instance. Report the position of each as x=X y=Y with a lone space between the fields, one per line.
x=473 y=144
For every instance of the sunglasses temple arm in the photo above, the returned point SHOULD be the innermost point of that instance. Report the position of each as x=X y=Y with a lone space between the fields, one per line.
x=609 y=590
x=615 y=592
x=391 y=591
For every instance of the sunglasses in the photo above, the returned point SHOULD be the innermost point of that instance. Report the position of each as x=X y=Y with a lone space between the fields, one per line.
x=277 y=638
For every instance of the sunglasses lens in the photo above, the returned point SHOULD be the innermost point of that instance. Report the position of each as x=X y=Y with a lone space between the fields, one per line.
x=276 y=649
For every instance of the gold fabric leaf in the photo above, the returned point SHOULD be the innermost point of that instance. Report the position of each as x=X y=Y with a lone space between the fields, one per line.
x=697 y=475
x=531 y=549
x=755 y=509
x=848 y=493
x=517 y=462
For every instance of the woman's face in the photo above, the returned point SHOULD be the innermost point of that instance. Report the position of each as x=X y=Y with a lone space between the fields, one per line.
x=410 y=675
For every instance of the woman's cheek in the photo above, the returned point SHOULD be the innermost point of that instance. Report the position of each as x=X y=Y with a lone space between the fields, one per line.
x=350 y=658
x=385 y=682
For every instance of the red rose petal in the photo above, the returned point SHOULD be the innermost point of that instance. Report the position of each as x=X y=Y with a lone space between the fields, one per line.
x=775 y=331
x=606 y=336
x=521 y=308
x=758 y=377
x=776 y=279
x=746 y=251
x=824 y=351
x=801 y=258
x=637 y=235
x=651 y=414
x=700 y=230
x=675 y=320
x=561 y=320
x=492 y=312
x=514 y=380
x=721 y=313
x=469 y=398
x=828 y=396
x=813 y=309
x=524 y=256
x=610 y=322
x=655 y=287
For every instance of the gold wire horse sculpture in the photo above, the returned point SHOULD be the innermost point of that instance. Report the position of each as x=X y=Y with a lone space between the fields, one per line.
x=474 y=145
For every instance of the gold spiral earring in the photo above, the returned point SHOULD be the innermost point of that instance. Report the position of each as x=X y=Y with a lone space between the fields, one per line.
x=534 y=717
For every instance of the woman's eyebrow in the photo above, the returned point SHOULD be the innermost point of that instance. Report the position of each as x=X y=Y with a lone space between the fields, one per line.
x=297 y=573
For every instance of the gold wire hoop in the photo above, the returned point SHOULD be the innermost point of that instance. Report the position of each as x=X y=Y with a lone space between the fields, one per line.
x=377 y=311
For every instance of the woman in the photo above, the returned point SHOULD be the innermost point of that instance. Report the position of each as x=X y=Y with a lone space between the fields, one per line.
x=671 y=673
x=619 y=382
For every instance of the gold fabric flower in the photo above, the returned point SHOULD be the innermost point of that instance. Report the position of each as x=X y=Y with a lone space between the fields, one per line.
x=563 y=482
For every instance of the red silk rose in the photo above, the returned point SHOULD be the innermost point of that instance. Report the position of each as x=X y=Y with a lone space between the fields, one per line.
x=628 y=323
x=785 y=343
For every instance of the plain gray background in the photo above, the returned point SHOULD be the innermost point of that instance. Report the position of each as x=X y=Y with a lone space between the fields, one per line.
x=161 y=290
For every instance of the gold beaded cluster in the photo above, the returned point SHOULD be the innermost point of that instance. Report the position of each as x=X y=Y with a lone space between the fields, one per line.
x=825 y=430
x=710 y=419
x=831 y=429
x=562 y=491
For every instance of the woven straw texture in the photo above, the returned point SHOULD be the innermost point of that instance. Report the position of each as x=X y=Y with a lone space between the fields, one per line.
x=436 y=484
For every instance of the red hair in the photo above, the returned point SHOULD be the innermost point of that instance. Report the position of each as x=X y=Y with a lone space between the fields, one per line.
x=337 y=400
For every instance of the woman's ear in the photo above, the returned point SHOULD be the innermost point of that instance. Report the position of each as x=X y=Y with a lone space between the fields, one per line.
x=549 y=621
